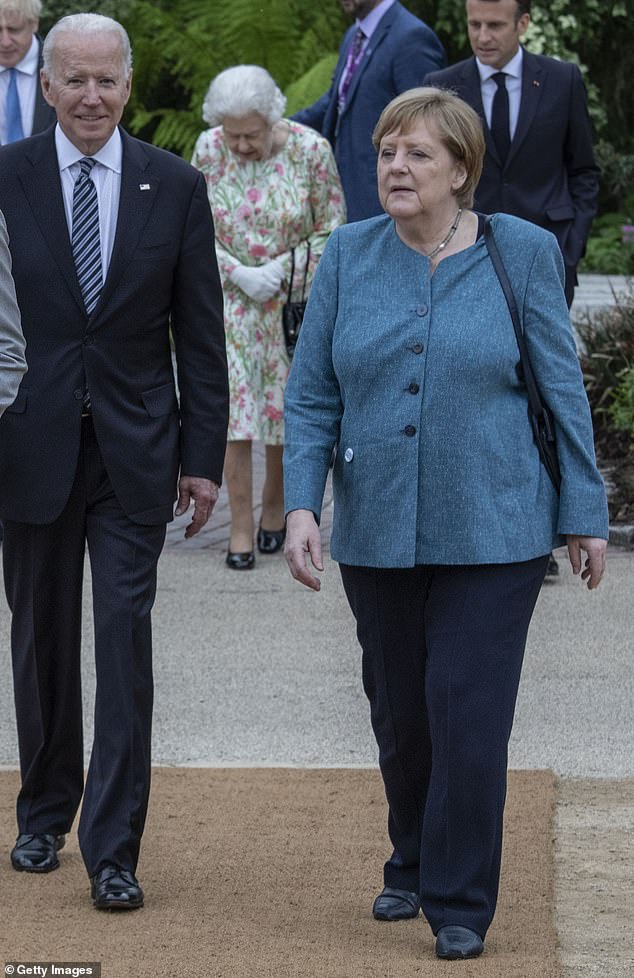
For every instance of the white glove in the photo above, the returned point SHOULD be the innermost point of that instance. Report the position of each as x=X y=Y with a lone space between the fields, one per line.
x=259 y=282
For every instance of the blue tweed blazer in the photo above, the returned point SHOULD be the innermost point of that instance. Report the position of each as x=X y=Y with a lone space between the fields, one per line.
x=414 y=379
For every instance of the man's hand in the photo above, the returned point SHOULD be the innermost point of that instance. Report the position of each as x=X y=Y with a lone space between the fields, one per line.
x=302 y=537
x=204 y=494
x=594 y=568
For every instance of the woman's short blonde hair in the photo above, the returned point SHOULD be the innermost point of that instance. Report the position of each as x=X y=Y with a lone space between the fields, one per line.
x=457 y=124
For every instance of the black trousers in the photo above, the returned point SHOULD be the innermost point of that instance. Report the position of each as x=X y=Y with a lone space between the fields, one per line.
x=442 y=655
x=569 y=283
x=43 y=571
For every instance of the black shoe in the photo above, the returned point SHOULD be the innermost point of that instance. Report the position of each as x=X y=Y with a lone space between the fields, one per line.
x=392 y=904
x=270 y=541
x=244 y=561
x=36 y=852
x=116 y=889
x=553 y=567
x=454 y=942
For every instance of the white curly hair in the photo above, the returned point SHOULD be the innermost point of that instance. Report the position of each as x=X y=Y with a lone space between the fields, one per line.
x=241 y=90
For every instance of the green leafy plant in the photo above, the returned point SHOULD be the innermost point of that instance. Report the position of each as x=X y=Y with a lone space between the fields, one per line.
x=607 y=361
x=622 y=406
x=606 y=252
x=180 y=45
x=607 y=340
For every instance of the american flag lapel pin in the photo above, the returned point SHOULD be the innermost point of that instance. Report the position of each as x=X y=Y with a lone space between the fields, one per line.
x=144 y=186
x=535 y=83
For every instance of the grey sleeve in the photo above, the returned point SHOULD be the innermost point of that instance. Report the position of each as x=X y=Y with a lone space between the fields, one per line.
x=12 y=344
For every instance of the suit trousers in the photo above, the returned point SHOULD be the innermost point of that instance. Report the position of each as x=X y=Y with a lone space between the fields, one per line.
x=569 y=283
x=442 y=650
x=43 y=571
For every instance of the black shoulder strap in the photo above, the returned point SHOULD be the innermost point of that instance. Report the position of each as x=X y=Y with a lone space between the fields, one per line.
x=290 y=281
x=534 y=397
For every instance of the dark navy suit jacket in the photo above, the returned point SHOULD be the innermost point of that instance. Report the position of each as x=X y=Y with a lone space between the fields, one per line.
x=550 y=177
x=401 y=51
x=162 y=281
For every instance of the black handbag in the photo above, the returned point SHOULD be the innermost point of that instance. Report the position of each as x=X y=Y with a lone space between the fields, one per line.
x=540 y=415
x=293 y=312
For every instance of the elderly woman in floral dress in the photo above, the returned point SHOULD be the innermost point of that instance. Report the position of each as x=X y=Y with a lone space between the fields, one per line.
x=275 y=196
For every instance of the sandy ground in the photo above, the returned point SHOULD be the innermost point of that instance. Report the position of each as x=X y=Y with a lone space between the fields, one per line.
x=594 y=892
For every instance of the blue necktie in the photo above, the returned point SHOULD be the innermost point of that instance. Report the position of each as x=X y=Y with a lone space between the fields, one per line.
x=12 y=109
x=86 y=241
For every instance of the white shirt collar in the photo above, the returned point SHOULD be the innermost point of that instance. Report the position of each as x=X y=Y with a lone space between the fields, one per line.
x=30 y=62
x=109 y=155
x=370 y=22
x=512 y=67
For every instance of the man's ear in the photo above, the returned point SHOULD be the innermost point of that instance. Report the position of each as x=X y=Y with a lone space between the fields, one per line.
x=45 y=83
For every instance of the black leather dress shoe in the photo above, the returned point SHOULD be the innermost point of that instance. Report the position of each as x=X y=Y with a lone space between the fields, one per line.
x=393 y=904
x=114 y=888
x=454 y=942
x=36 y=852
x=244 y=561
x=270 y=541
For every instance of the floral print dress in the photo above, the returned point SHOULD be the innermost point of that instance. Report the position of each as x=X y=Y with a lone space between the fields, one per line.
x=262 y=209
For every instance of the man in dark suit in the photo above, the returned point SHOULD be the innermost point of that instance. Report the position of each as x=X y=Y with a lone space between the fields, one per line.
x=23 y=108
x=539 y=163
x=386 y=52
x=113 y=249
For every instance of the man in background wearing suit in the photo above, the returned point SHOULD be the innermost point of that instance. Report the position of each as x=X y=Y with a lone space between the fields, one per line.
x=23 y=109
x=113 y=250
x=386 y=52
x=12 y=362
x=539 y=163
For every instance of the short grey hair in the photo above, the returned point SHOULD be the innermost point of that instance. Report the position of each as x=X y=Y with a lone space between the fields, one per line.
x=85 y=24
x=240 y=90
x=29 y=9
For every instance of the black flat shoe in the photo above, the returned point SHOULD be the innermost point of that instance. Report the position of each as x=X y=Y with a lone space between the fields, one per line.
x=454 y=943
x=270 y=541
x=116 y=889
x=244 y=561
x=36 y=852
x=393 y=904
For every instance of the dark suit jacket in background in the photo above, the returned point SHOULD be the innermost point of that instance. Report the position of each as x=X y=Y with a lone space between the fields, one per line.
x=162 y=272
x=550 y=177
x=401 y=51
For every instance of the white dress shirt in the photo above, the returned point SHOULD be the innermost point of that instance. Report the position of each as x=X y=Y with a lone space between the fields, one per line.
x=27 y=79
x=106 y=176
x=488 y=88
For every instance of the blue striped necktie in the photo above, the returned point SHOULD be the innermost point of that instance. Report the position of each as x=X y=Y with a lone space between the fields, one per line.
x=86 y=240
x=12 y=109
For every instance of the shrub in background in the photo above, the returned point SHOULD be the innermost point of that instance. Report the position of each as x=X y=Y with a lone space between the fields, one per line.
x=607 y=362
x=607 y=359
x=622 y=406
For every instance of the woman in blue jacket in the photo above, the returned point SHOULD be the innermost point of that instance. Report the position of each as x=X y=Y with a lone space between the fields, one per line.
x=444 y=516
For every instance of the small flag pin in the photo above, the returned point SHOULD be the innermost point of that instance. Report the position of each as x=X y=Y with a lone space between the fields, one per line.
x=535 y=83
x=144 y=186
